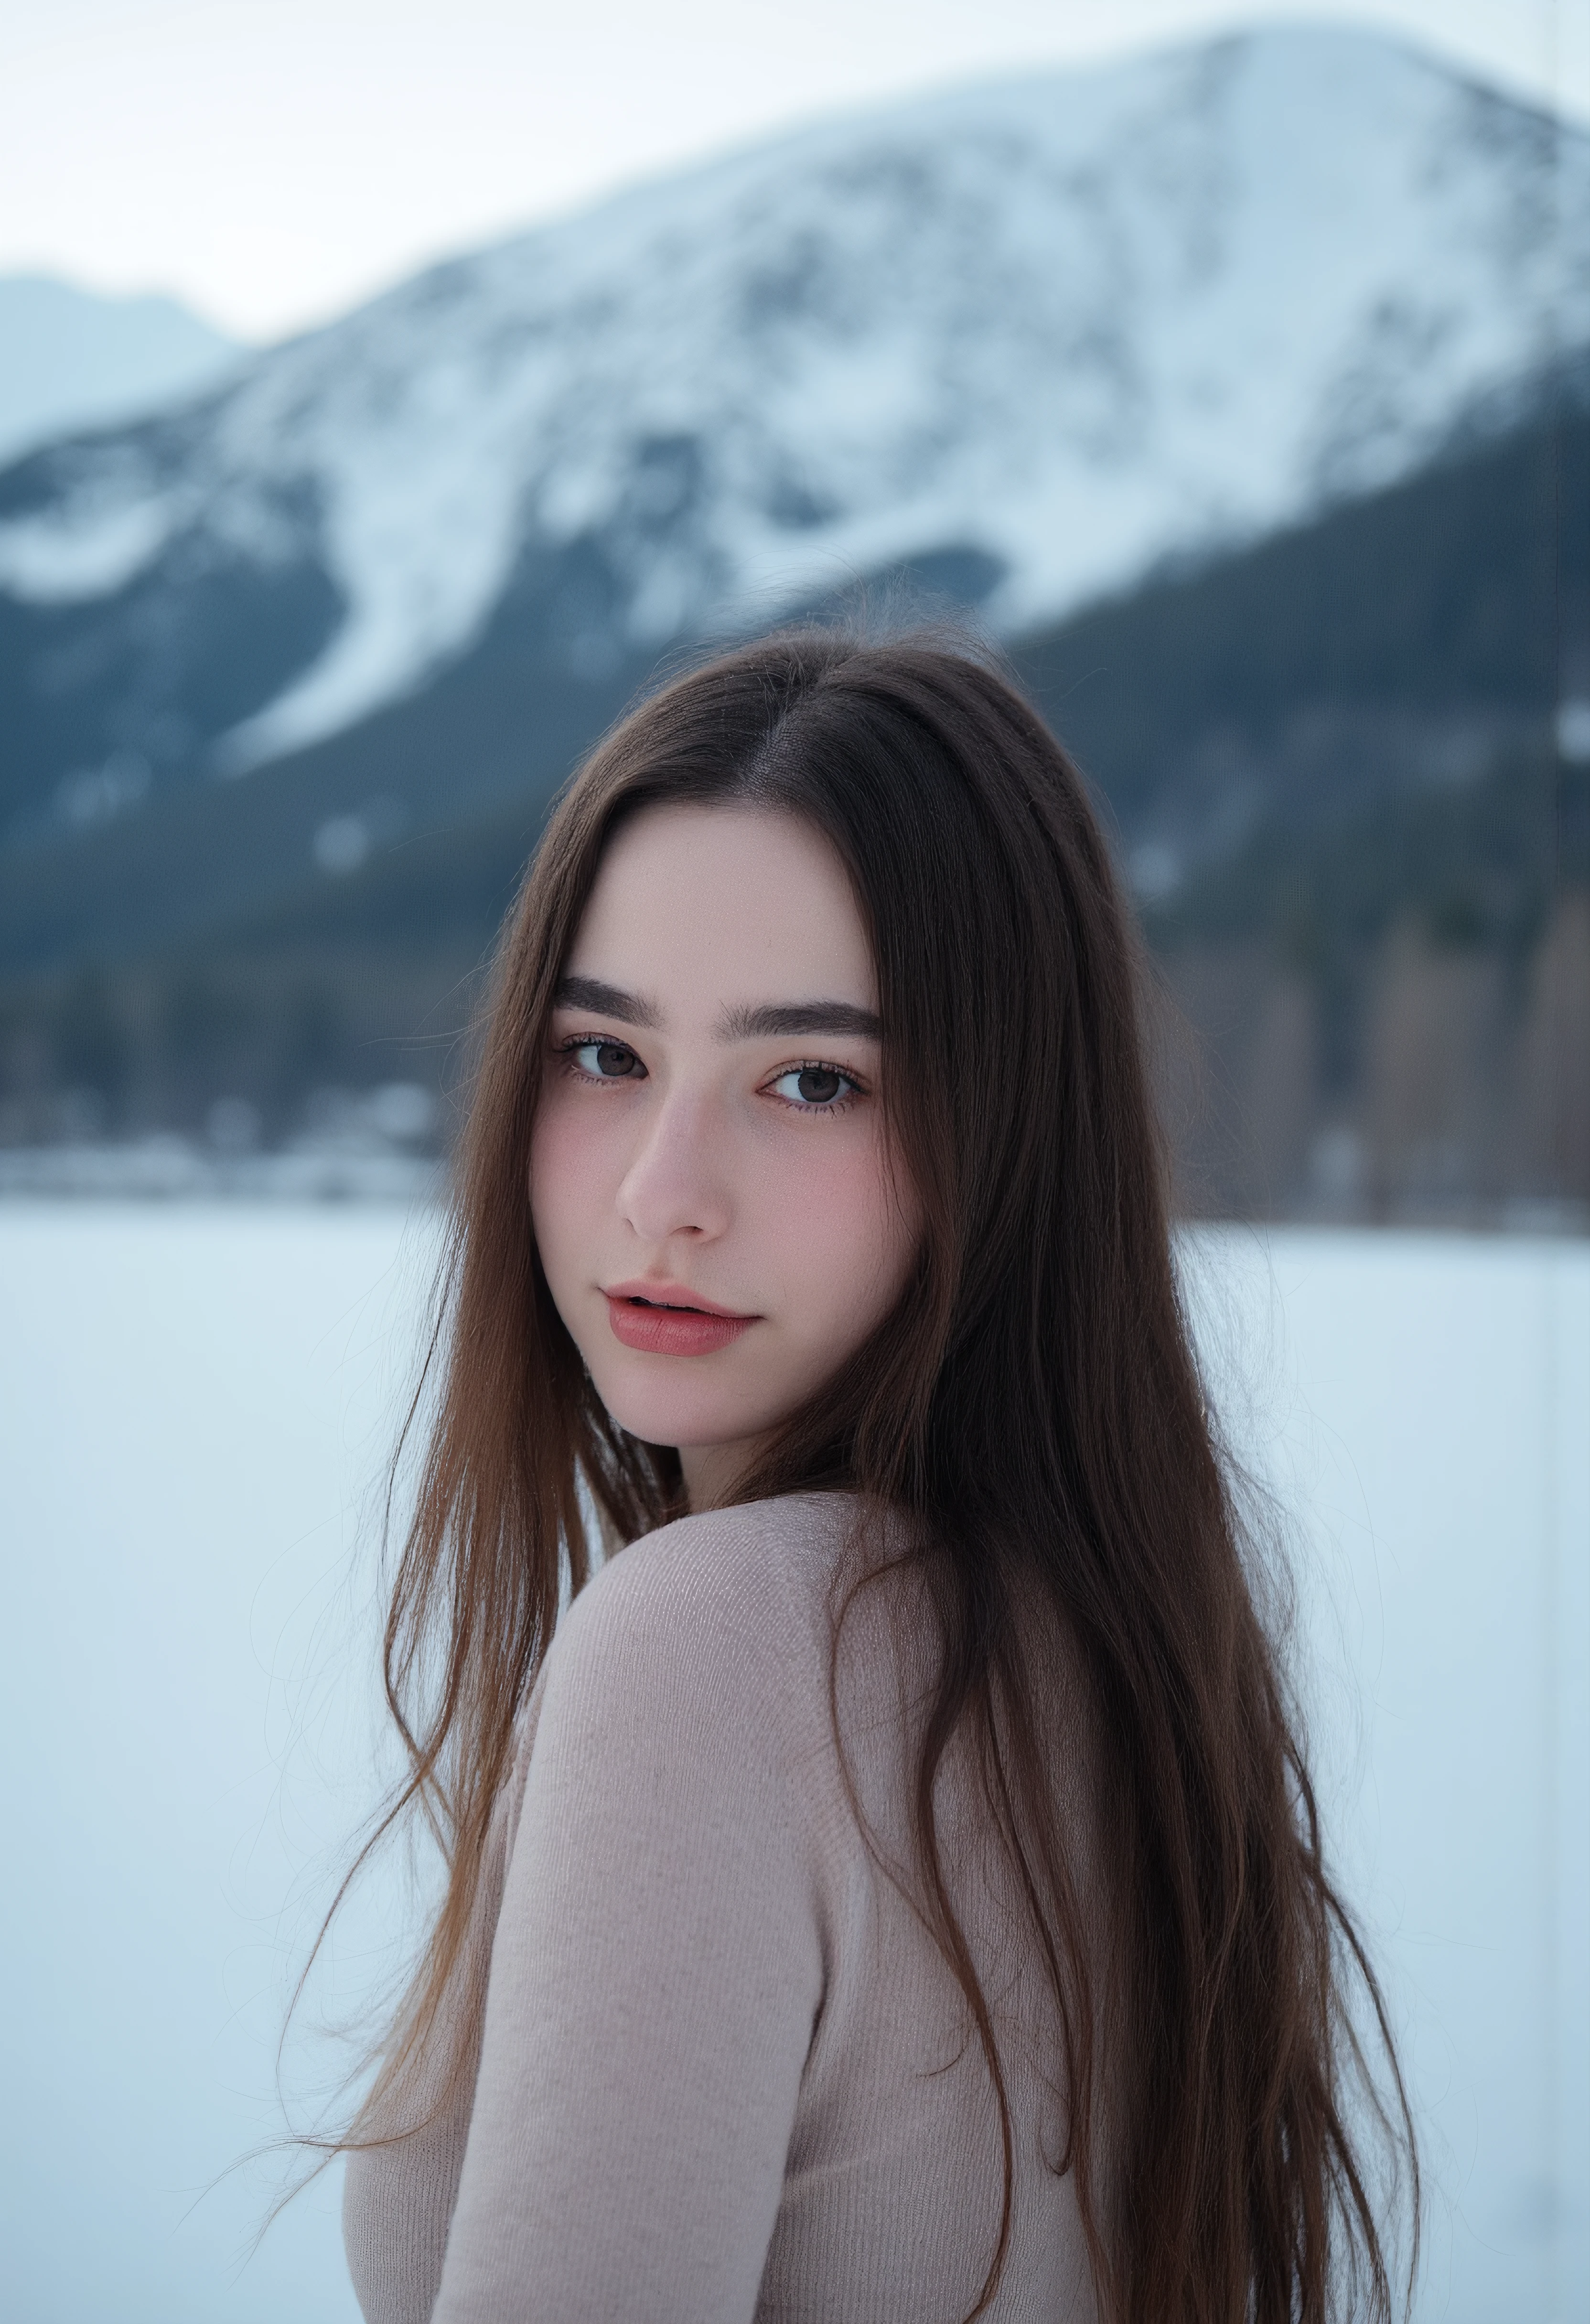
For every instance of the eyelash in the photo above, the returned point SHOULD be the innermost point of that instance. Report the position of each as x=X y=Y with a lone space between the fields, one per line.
x=569 y=1047
x=852 y=1090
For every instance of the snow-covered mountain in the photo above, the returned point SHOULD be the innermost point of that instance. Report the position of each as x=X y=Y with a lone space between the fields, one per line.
x=72 y=359
x=1046 y=333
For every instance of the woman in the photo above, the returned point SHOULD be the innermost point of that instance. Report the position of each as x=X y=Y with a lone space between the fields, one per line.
x=891 y=1890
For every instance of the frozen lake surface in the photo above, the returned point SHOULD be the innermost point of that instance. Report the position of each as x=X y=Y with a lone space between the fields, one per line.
x=194 y=1407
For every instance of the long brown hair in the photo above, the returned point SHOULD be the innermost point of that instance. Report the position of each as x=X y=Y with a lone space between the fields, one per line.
x=1032 y=1401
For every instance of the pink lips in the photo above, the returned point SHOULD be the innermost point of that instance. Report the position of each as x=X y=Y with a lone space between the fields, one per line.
x=664 y=1319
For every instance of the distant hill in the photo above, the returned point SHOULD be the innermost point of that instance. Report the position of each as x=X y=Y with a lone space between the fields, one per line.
x=1347 y=771
x=1238 y=389
x=1246 y=719
x=71 y=359
x=1030 y=340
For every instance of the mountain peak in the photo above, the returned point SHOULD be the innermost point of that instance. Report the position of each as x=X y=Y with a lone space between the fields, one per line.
x=1065 y=327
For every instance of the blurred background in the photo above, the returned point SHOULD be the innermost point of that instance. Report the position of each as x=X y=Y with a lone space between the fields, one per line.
x=386 y=394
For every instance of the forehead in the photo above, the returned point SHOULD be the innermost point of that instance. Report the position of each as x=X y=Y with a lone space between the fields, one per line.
x=709 y=905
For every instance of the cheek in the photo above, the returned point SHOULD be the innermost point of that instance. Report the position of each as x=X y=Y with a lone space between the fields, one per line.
x=569 y=1172
x=843 y=1239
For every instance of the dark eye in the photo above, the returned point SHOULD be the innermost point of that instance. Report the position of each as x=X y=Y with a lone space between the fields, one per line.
x=606 y=1060
x=818 y=1084
x=813 y=1086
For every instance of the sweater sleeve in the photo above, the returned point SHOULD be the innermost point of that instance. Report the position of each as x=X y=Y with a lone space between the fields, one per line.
x=656 y=1971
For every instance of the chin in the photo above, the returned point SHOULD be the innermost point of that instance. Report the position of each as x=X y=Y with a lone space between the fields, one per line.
x=684 y=1413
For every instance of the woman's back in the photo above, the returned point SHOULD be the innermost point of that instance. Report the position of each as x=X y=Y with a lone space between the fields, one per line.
x=728 y=2072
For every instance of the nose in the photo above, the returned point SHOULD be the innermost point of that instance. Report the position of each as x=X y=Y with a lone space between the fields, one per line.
x=678 y=1183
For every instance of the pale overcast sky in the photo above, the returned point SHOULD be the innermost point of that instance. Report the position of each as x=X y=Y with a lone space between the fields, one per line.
x=272 y=161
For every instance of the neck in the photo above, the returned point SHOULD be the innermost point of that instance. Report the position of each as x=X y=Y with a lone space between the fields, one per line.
x=712 y=1471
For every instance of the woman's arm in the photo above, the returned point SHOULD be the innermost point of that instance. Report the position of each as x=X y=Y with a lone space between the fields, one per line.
x=656 y=1971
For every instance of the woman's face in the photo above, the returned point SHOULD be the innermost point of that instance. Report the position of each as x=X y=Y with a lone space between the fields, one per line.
x=709 y=1181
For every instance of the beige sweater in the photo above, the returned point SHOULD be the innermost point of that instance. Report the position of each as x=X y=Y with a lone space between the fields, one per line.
x=724 y=2072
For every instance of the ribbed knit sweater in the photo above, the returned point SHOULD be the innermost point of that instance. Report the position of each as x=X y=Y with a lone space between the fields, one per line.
x=724 y=2073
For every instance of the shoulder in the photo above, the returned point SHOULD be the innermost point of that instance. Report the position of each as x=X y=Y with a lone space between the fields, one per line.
x=727 y=1582
x=718 y=1618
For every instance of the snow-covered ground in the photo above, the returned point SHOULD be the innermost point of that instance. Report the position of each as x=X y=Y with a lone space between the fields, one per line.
x=194 y=1404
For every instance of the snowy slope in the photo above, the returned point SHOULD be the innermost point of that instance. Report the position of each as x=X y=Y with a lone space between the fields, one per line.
x=1076 y=324
x=70 y=358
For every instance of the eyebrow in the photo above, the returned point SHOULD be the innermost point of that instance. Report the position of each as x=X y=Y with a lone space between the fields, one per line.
x=774 y=1021
x=780 y=1019
x=607 y=999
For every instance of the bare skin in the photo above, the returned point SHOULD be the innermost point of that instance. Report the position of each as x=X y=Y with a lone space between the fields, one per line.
x=714 y=1196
